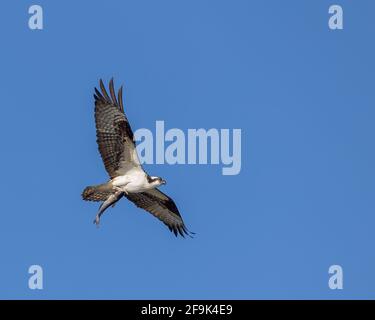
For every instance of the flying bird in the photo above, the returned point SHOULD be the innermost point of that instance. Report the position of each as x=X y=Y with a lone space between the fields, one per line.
x=127 y=178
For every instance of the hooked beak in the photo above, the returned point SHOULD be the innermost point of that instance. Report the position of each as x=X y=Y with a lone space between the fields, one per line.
x=163 y=182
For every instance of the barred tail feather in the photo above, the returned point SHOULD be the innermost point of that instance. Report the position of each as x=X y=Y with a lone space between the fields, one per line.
x=97 y=193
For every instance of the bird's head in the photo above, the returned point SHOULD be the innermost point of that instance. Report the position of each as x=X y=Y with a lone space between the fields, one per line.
x=156 y=181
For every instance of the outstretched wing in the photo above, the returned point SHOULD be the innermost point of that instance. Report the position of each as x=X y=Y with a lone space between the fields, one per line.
x=114 y=134
x=162 y=207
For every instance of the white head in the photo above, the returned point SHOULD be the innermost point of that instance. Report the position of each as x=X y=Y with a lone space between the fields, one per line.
x=155 y=181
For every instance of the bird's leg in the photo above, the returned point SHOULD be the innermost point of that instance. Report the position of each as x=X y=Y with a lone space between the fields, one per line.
x=118 y=189
x=111 y=200
x=122 y=189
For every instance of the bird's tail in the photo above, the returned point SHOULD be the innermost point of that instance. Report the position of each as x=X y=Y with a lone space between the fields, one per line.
x=99 y=192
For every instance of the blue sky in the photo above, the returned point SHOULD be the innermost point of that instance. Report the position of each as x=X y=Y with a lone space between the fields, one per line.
x=301 y=94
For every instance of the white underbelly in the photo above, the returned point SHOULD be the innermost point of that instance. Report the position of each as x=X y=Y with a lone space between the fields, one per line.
x=132 y=183
x=121 y=181
x=134 y=188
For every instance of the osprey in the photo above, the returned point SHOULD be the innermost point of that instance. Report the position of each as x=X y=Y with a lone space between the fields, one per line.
x=127 y=177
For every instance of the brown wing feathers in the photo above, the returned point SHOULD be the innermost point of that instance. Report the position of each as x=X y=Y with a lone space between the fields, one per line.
x=120 y=99
x=162 y=207
x=105 y=98
x=112 y=127
x=113 y=94
x=102 y=87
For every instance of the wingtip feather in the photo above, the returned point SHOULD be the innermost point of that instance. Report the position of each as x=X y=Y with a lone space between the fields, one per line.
x=104 y=91
x=112 y=91
x=120 y=99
